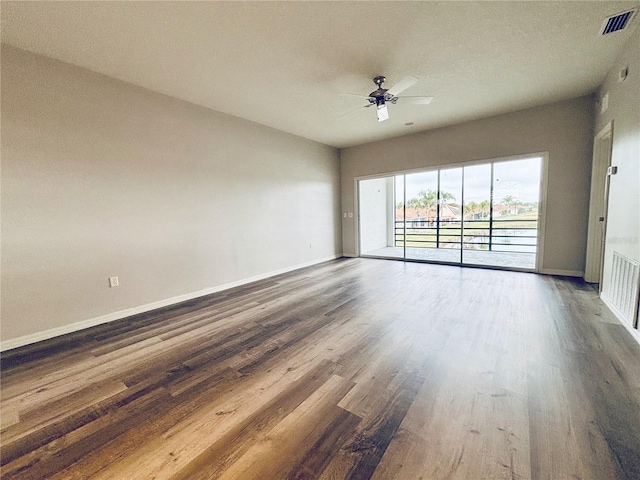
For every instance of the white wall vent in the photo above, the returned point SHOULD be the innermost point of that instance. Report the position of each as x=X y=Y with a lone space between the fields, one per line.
x=625 y=287
x=617 y=22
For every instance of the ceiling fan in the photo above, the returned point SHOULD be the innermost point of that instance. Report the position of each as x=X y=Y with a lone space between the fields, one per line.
x=383 y=96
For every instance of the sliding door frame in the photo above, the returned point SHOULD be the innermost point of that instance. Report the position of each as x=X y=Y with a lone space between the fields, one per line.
x=542 y=207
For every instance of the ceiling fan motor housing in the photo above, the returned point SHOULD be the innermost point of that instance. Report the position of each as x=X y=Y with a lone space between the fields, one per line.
x=380 y=96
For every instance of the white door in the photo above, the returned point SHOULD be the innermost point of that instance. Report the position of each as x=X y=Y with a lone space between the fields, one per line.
x=598 y=204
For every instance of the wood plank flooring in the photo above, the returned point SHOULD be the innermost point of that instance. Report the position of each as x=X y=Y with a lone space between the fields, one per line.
x=356 y=368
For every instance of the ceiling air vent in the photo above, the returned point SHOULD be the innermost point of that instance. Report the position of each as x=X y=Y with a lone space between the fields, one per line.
x=617 y=22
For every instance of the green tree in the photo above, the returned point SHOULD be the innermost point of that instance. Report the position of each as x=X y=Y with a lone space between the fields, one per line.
x=470 y=208
x=511 y=200
x=447 y=197
x=426 y=200
x=484 y=207
x=415 y=203
x=430 y=201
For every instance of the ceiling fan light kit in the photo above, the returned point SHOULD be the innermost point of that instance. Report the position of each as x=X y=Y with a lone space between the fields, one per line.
x=383 y=112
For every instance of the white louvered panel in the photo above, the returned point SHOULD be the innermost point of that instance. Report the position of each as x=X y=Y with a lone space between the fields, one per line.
x=625 y=286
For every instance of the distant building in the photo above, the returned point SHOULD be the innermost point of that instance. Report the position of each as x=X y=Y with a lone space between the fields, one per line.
x=421 y=218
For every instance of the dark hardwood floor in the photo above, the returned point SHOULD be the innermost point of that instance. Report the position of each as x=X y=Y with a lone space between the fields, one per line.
x=356 y=368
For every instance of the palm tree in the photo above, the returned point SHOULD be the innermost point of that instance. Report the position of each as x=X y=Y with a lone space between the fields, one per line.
x=484 y=208
x=470 y=208
x=415 y=203
x=425 y=200
x=510 y=200
x=446 y=197
x=429 y=200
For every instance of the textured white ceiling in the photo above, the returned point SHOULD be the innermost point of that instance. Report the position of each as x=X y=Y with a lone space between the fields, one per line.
x=285 y=64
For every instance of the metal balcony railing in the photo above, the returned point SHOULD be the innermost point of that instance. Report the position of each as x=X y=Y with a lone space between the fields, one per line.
x=508 y=236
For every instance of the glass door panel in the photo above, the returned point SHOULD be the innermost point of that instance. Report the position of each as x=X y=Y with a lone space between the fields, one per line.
x=377 y=217
x=449 y=221
x=514 y=233
x=421 y=213
x=476 y=213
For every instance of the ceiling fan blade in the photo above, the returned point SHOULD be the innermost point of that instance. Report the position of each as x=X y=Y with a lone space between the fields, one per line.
x=353 y=111
x=402 y=85
x=415 y=100
x=360 y=97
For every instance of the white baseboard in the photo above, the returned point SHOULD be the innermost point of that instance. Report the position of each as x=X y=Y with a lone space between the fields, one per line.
x=635 y=334
x=562 y=273
x=110 y=317
x=350 y=255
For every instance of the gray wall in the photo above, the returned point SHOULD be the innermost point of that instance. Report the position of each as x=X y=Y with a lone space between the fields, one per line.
x=563 y=129
x=623 y=219
x=102 y=178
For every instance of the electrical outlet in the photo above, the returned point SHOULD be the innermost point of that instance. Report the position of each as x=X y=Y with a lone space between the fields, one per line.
x=113 y=282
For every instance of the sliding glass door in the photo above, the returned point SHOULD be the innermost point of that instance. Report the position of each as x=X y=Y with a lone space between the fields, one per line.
x=482 y=214
x=433 y=213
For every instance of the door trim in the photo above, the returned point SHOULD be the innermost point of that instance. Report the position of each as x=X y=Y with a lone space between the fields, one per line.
x=601 y=160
